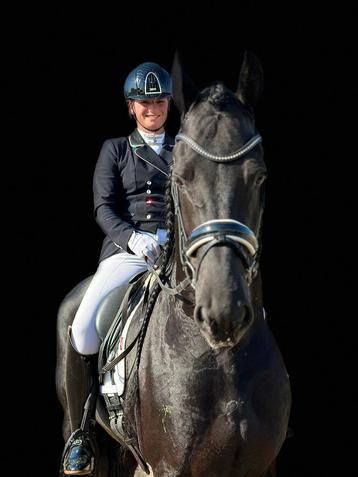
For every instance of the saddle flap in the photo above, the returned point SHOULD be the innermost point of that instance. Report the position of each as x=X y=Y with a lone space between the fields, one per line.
x=108 y=308
x=110 y=305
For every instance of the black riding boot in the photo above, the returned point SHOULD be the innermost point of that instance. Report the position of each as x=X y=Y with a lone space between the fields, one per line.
x=81 y=392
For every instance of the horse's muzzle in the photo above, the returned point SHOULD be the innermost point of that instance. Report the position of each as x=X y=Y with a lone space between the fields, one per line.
x=223 y=330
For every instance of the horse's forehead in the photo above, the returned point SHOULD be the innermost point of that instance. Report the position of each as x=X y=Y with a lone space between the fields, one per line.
x=217 y=130
x=231 y=119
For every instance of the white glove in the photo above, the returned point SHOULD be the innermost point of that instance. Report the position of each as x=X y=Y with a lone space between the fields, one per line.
x=144 y=245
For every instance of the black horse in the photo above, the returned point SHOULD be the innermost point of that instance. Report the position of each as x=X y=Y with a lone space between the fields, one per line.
x=211 y=395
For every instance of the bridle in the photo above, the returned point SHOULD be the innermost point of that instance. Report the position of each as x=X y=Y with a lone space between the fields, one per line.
x=217 y=232
x=213 y=233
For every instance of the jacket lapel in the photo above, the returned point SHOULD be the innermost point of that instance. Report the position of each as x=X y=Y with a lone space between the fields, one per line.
x=145 y=153
x=167 y=150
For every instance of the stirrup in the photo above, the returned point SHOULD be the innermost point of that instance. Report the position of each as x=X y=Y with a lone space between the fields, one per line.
x=79 y=454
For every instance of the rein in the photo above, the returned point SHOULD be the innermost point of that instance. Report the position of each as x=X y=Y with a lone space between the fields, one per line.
x=212 y=233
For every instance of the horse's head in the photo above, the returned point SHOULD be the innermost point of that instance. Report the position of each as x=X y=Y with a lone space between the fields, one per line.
x=217 y=185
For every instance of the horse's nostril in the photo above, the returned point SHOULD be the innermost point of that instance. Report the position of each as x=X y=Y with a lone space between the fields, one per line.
x=198 y=315
x=201 y=318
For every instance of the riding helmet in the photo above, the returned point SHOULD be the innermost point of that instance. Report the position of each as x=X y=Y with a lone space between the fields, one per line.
x=148 y=81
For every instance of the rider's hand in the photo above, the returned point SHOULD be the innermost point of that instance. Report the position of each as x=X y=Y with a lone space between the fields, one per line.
x=144 y=245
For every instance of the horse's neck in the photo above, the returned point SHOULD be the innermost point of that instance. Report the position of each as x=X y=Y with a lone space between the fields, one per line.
x=187 y=296
x=256 y=294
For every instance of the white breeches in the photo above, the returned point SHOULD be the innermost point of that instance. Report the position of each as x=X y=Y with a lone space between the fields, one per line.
x=112 y=272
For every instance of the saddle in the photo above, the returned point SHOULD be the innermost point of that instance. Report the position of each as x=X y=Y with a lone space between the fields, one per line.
x=119 y=323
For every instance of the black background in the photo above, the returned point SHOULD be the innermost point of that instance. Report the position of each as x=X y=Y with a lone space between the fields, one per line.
x=64 y=71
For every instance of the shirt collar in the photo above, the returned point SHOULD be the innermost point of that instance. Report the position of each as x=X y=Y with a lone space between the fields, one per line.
x=136 y=140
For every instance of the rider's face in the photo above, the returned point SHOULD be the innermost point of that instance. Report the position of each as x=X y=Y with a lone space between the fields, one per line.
x=150 y=114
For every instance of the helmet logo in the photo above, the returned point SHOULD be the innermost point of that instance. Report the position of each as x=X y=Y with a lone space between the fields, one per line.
x=152 y=84
x=147 y=81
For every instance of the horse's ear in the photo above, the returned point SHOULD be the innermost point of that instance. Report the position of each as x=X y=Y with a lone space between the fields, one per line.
x=184 y=90
x=250 y=84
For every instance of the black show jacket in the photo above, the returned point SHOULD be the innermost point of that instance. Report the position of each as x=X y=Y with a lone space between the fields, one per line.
x=128 y=187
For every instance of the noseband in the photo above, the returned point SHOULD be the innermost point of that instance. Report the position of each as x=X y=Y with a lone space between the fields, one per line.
x=213 y=233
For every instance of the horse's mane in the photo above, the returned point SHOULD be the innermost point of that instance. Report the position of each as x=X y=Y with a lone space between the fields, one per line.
x=132 y=394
